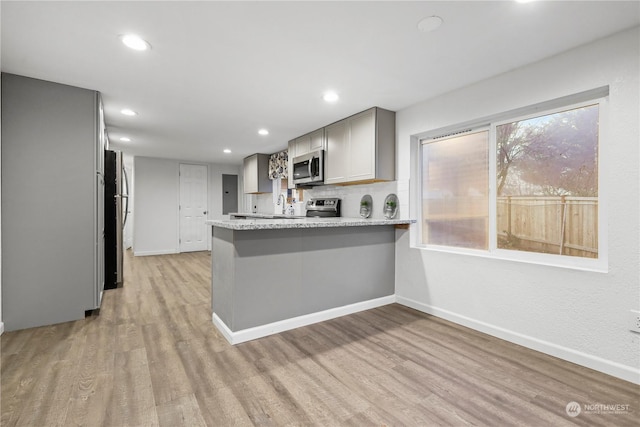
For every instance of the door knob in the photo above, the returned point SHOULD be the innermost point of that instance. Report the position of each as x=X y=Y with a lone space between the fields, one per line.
x=204 y=213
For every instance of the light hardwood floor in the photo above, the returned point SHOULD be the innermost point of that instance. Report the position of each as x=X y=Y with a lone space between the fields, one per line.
x=152 y=357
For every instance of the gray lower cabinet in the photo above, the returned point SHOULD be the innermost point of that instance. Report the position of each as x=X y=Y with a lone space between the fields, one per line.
x=259 y=277
x=52 y=197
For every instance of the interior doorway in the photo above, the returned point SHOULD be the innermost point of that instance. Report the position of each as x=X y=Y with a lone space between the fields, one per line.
x=193 y=207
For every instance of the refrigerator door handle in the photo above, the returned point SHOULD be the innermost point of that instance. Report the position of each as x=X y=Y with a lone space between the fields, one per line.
x=126 y=197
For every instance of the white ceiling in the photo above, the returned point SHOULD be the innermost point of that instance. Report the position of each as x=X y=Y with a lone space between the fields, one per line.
x=219 y=71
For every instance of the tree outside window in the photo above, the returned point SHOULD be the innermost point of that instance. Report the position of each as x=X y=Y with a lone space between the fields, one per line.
x=547 y=183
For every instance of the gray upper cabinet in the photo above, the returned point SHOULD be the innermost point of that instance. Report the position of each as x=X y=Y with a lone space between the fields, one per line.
x=256 y=174
x=316 y=140
x=361 y=148
x=336 y=157
x=52 y=202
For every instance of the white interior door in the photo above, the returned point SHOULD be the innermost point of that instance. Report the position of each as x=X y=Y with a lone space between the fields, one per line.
x=193 y=208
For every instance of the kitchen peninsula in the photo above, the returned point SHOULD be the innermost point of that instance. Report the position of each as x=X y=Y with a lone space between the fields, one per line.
x=271 y=275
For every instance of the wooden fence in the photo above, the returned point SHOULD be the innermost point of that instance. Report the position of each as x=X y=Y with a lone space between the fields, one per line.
x=555 y=224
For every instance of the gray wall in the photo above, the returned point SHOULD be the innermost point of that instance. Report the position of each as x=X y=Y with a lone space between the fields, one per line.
x=48 y=202
x=156 y=199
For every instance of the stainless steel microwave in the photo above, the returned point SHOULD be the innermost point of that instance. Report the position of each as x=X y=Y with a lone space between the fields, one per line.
x=308 y=169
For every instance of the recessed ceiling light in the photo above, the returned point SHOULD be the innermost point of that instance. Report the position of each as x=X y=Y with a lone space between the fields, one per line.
x=125 y=139
x=226 y=151
x=429 y=24
x=135 y=42
x=330 y=96
x=128 y=112
x=263 y=132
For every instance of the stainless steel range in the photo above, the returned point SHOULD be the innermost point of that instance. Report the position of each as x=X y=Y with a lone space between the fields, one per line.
x=329 y=207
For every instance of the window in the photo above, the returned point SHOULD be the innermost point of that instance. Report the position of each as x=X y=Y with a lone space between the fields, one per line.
x=455 y=198
x=547 y=183
x=522 y=187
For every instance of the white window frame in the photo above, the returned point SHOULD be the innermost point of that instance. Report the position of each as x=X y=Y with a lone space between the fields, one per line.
x=597 y=96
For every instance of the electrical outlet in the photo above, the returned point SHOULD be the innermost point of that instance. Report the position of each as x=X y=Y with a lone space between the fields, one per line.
x=634 y=321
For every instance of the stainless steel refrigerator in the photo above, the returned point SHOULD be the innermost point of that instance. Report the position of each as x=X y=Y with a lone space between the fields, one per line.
x=115 y=217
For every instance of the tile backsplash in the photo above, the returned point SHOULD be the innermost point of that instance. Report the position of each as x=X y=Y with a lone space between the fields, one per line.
x=352 y=194
x=349 y=194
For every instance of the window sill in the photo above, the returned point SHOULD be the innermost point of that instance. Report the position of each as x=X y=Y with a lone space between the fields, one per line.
x=547 y=260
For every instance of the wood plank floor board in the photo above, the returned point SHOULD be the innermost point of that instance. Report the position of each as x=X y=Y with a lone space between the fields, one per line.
x=273 y=355
x=185 y=291
x=132 y=402
x=128 y=337
x=508 y=359
x=202 y=324
x=480 y=377
x=220 y=407
x=384 y=389
x=89 y=400
x=379 y=386
x=48 y=401
x=125 y=307
x=159 y=298
x=325 y=398
x=456 y=356
x=351 y=347
x=15 y=343
x=472 y=405
x=211 y=370
x=148 y=305
x=183 y=411
x=184 y=325
x=168 y=377
x=448 y=413
x=510 y=405
x=153 y=357
x=94 y=374
x=267 y=405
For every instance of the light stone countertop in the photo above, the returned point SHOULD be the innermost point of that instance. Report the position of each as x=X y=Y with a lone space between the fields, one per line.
x=309 y=222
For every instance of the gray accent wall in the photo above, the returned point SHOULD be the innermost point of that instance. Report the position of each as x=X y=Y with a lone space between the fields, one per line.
x=48 y=202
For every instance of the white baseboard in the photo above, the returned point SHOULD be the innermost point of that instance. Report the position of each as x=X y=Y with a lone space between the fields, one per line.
x=296 y=322
x=148 y=253
x=1 y=328
x=615 y=369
